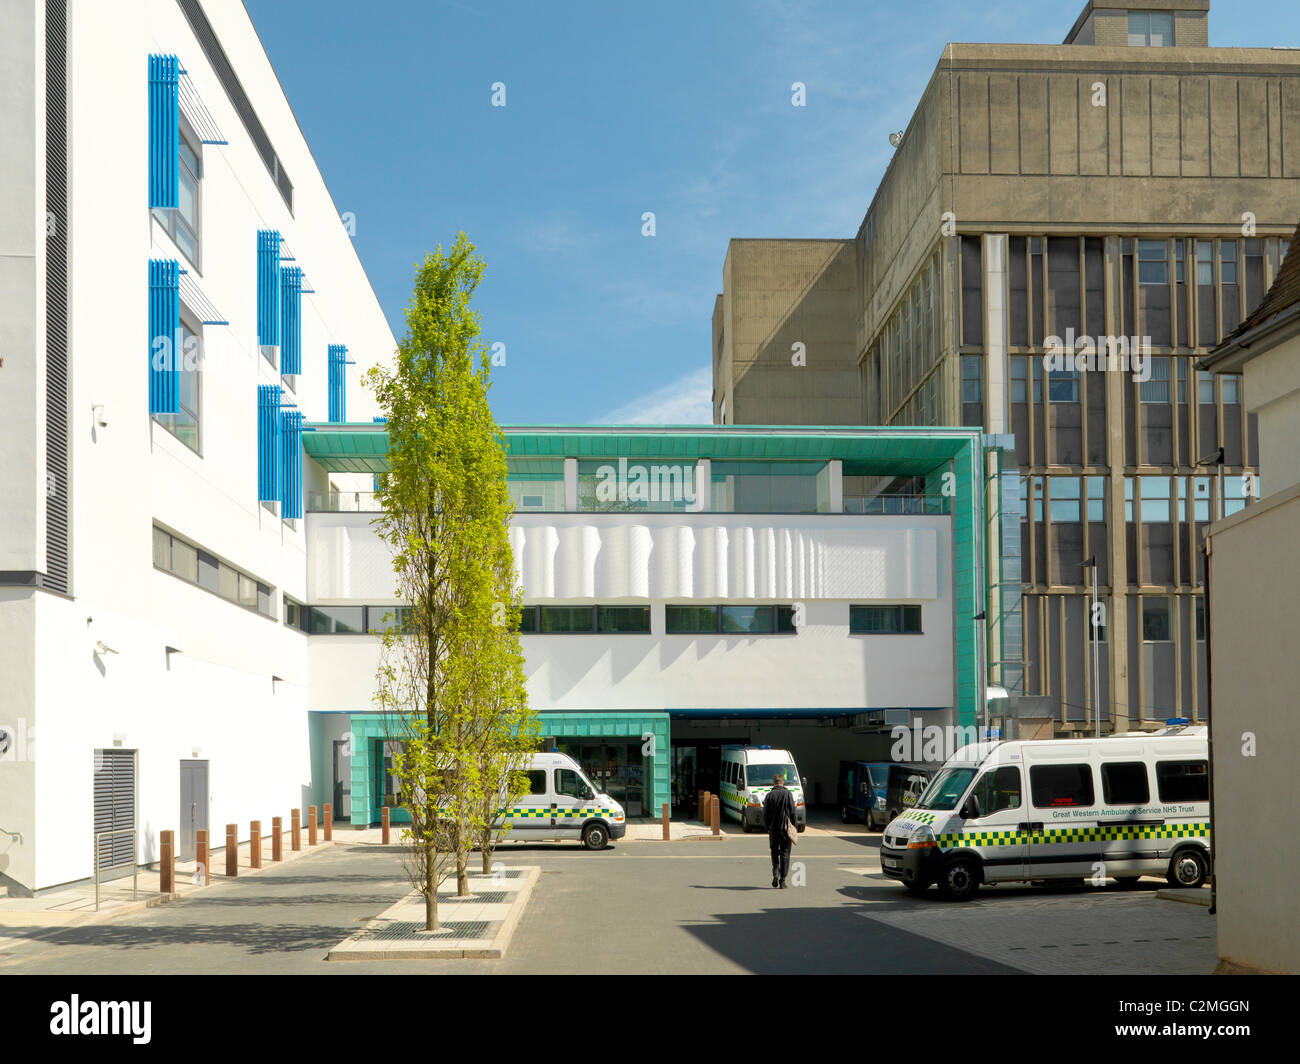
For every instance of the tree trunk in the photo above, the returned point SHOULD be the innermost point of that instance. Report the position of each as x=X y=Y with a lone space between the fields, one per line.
x=431 y=908
x=462 y=874
x=486 y=848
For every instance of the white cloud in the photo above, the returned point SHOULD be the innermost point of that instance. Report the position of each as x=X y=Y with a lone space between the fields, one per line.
x=686 y=401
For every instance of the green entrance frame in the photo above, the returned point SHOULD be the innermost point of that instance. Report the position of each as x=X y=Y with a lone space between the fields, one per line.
x=650 y=727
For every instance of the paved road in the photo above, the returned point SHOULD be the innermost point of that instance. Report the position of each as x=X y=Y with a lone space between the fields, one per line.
x=685 y=907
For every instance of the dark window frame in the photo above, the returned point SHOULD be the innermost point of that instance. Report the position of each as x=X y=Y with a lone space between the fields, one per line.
x=1036 y=774
x=903 y=616
x=1164 y=778
x=782 y=618
x=1106 y=784
x=216 y=563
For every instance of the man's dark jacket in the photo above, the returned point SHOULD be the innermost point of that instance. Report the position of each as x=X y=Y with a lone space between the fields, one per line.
x=778 y=807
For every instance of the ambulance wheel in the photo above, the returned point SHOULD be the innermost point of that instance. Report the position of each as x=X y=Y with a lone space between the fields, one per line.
x=960 y=879
x=595 y=836
x=1127 y=882
x=1188 y=869
x=744 y=825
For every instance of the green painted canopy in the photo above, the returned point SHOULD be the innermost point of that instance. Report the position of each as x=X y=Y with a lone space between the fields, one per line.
x=363 y=448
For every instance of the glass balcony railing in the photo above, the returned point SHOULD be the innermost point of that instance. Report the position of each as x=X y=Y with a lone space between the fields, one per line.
x=342 y=502
x=902 y=505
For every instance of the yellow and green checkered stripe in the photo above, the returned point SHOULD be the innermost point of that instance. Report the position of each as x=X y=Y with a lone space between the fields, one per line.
x=918 y=818
x=1065 y=836
x=562 y=812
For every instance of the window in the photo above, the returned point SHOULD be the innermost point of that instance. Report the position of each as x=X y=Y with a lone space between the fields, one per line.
x=997 y=790
x=1064 y=504
x=1155 y=500
x=566 y=619
x=528 y=619
x=1231 y=389
x=295 y=614
x=1063 y=386
x=885 y=620
x=1125 y=783
x=1183 y=781
x=623 y=619
x=1228 y=262
x=184 y=425
x=1200 y=618
x=1156 y=389
x=181 y=222
x=1236 y=492
x=569 y=784
x=536 y=781
x=1153 y=262
x=336 y=620
x=1180 y=261
x=1061 y=785
x=690 y=620
x=1152 y=29
x=197 y=566
x=729 y=620
x=1205 y=263
x=1155 y=620
x=1019 y=383
x=381 y=619
x=971 y=390
x=1181 y=363
x=1097 y=499
x=1204 y=388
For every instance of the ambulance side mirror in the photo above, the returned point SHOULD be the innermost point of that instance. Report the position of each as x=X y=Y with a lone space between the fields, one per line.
x=970 y=809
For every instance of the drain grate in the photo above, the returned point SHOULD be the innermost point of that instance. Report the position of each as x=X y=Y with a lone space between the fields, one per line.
x=488 y=896
x=410 y=930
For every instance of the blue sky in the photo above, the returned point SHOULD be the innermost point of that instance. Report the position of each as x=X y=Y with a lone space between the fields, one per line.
x=614 y=109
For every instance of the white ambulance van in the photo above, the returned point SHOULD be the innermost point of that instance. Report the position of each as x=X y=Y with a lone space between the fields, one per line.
x=1117 y=808
x=562 y=803
x=746 y=777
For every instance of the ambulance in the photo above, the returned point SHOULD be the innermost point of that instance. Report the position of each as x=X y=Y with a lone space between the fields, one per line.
x=746 y=777
x=562 y=803
x=1119 y=808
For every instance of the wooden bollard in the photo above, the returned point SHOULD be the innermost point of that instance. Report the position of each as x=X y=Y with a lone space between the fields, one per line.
x=707 y=810
x=201 y=857
x=277 y=838
x=715 y=816
x=311 y=825
x=295 y=828
x=255 y=844
x=166 y=862
x=384 y=821
x=232 y=850
x=329 y=822
x=667 y=830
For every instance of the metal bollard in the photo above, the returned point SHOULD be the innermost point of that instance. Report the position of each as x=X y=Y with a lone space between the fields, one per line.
x=311 y=825
x=715 y=817
x=295 y=828
x=385 y=825
x=667 y=830
x=277 y=838
x=166 y=862
x=329 y=822
x=201 y=857
x=255 y=844
x=232 y=850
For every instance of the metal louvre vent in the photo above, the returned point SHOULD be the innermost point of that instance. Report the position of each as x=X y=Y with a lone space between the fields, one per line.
x=207 y=39
x=56 y=296
x=115 y=806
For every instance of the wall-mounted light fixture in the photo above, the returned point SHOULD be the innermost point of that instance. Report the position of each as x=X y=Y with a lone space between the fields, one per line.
x=98 y=410
x=102 y=648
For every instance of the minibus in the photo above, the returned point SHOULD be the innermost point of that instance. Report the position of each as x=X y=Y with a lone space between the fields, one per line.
x=562 y=803
x=1118 y=808
x=746 y=777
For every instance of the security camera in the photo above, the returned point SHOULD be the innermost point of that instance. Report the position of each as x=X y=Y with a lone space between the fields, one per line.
x=103 y=648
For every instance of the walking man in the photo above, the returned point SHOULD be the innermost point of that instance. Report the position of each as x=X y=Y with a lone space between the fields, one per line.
x=778 y=811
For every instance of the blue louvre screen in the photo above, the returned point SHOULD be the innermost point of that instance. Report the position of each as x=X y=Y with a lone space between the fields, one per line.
x=268 y=287
x=291 y=464
x=164 y=337
x=338 y=382
x=269 y=441
x=164 y=131
x=291 y=320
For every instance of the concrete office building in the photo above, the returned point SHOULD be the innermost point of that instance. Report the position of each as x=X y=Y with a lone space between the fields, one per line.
x=1254 y=586
x=159 y=200
x=1131 y=182
x=732 y=585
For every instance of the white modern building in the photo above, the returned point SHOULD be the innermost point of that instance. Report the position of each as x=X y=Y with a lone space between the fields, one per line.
x=159 y=197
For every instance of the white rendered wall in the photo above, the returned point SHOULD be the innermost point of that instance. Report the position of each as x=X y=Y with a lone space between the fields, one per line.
x=130 y=474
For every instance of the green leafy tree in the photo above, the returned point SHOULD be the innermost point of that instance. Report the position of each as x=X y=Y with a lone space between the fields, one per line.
x=451 y=679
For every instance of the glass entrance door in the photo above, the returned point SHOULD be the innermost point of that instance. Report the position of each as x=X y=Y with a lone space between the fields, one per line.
x=615 y=768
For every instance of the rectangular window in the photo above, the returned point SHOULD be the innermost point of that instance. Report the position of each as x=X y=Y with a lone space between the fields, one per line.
x=690 y=620
x=1151 y=29
x=785 y=619
x=1205 y=263
x=1180 y=261
x=181 y=221
x=528 y=620
x=1155 y=620
x=1064 y=504
x=1019 y=381
x=1183 y=781
x=184 y=424
x=197 y=566
x=747 y=620
x=566 y=619
x=1061 y=785
x=1200 y=618
x=971 y=379
x=613 y=619
x=536 y=782
x=381 y=619
x=1125 y=783
x=885 y=620
x=336 y=620
x=1231 y=389
x=1204 y=388
x=1181 y=363
x=1228 y=262
x=1153 y=262
x=997 y=790
x=1156 y=388
x=295 y=614
x=1097 y=499
x=1155 y=500
x=1063 y=386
